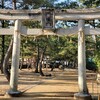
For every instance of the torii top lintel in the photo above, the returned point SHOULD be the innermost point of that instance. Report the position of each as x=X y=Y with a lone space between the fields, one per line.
x=60 y=14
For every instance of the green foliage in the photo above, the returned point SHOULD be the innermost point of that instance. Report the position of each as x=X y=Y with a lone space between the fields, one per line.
x=97 y=52
x=32 y=24
x=90 y=3
x=33 y=4
x=27 y=46
x=91 y=65
x=90 y=47
x=97 y=59
x=67 y=5
x=7 y=41
x=64 y=48
x=93 y=50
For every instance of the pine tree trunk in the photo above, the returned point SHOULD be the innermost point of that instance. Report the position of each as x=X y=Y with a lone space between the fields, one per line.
x=40 y=64
x=36 y=68
x=3 y=48
x=6 y=60
x=3 y=42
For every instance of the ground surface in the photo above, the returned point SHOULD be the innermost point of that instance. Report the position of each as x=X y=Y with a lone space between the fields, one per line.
x=62 y=85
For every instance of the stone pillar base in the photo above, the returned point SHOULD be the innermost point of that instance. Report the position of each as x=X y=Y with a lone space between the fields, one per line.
x=13 y=93
x=81 y=96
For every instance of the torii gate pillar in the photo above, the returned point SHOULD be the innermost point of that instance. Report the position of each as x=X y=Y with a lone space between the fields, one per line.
x=15 y=61
x=83 y=90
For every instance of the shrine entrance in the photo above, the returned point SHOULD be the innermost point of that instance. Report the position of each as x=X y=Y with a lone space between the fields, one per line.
x=48 y=20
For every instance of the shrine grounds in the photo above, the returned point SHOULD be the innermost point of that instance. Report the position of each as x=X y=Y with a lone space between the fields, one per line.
x=62 y=85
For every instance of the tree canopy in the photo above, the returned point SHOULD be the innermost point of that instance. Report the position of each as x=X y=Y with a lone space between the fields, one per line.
x=60 y=48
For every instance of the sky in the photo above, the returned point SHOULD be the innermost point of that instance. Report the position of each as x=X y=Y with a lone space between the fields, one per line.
x=65 y=0
x=61 y=0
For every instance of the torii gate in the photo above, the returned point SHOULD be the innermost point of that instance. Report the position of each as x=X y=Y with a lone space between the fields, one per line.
x=67 y=14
